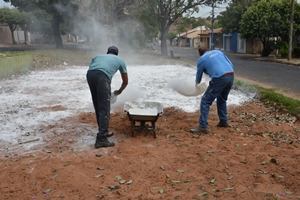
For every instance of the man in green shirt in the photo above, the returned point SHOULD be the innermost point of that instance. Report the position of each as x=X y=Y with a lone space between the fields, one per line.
x=99 y=75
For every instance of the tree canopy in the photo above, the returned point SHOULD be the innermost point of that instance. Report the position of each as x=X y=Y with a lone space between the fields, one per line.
x=230 y=18
x=267 y=19
x=168 y=11
x=58 y=9
x=13 y=17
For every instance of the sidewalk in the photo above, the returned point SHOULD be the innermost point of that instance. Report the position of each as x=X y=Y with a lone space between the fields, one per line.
x=293 y=61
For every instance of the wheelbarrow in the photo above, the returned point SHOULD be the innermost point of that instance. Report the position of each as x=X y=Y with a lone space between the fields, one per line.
x=141 y=112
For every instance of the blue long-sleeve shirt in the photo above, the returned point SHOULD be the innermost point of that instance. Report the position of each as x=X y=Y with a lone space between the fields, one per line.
x=213 y=63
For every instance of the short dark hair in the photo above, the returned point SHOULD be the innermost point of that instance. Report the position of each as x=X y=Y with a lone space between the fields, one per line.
x=113 y=49
x=202 y=50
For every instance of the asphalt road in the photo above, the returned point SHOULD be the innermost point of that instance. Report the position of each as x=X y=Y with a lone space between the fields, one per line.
x=274 y=75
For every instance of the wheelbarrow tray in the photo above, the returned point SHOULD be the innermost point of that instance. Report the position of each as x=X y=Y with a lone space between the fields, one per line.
x=143 y=112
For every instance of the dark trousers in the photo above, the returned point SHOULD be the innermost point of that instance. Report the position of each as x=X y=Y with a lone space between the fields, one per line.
x=100 y=87
x=219 y=89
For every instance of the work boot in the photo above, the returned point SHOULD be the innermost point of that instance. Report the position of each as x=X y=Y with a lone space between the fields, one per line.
x=103 y=142
x=109 y=134
x=223 y=124
x=199 y=129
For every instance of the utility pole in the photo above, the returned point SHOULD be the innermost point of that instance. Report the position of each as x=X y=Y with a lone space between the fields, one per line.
x=291 y=30
x=212 y=27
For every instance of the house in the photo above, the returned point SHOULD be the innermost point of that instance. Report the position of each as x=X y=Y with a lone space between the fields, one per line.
x=206 y=36
x=5 y=35
x=234 y=43
x=191 y=37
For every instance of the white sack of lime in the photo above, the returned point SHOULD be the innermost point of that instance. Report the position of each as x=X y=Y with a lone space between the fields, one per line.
x=186 y=86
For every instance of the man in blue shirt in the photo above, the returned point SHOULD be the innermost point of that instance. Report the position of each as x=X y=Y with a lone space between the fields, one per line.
x=99 y=76
x=220 y=69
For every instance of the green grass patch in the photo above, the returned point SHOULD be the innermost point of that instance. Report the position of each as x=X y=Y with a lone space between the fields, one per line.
x=244 y=88
x=269 y=96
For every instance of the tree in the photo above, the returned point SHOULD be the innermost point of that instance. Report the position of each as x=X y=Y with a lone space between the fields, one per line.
x=26 y=21
x=58 y=9
x=125 y=19
x=260 y=20
x=168 y=11
x=230 y=18
x=267 y=19
x=197 y=22
x=171 y=36
x=11 y=17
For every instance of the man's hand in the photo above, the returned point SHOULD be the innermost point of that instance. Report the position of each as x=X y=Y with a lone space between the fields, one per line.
x=117 y=92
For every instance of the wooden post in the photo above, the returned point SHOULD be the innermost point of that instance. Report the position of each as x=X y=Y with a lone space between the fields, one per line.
x=291 y=30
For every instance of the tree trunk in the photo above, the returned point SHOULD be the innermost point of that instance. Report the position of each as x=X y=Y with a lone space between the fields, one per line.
x=12 y=29
x=164 y=48
x=56 y=30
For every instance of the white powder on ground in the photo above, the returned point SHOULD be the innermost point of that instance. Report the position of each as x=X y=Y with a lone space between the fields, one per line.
x=28 y=101
x=143 y=111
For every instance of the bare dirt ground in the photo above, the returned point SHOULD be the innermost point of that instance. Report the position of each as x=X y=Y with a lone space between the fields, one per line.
x=257 y=158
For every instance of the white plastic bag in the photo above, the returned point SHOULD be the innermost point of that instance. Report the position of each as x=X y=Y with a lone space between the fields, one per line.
x=186 y=86
x=113 y=98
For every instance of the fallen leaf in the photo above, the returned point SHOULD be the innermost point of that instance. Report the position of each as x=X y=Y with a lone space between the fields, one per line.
x=161 y=191
x=47 y=191
x=175 y=181
x=212 y=180
x=118 y=177
x=288 y=192
x=99 y=175
x=230 y=177
x=180 y=171
x=202 y=194
x=55 y=176
x=230 y=188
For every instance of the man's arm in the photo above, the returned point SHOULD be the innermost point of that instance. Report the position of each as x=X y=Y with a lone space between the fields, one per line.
x=200 y=69
x=124 y=84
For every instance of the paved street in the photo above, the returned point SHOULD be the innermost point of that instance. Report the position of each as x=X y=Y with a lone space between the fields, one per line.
x=268 y=74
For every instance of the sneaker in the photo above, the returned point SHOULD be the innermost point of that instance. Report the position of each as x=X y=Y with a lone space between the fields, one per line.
x=199 y=129
x=103 y=142
x=223 y=124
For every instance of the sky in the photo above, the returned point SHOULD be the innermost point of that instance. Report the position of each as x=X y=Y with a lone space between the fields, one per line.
x=26 y=100
x=2 y=4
